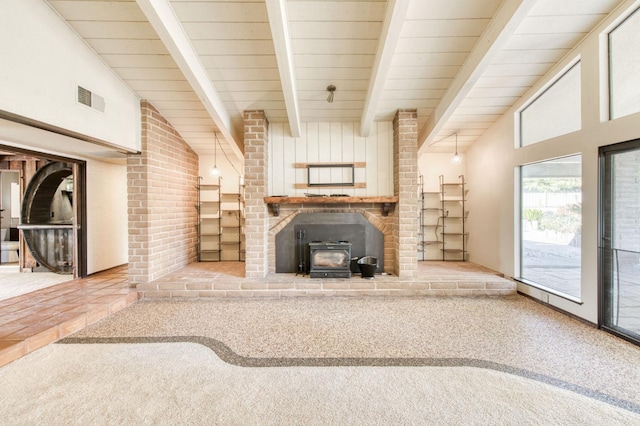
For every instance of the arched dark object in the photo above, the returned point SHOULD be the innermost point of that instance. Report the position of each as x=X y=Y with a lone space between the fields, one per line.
x=50 y=242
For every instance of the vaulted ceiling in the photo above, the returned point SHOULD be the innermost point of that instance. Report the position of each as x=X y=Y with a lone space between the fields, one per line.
x=461 y=63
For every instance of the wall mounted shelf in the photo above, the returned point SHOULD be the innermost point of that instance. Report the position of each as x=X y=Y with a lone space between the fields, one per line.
x=209 y=222
x=442 y=231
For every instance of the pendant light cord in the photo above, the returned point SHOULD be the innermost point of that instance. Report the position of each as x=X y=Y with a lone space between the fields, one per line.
x=225 y=156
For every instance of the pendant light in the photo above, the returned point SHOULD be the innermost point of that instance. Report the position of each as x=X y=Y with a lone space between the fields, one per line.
x=457 y=158
x=215 y=171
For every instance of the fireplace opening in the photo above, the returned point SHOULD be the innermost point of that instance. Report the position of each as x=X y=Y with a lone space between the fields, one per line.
x=330 y=259
x=292 y=241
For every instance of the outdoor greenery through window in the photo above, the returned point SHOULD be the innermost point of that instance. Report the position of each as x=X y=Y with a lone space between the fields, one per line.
x=557 y=111
x=552 y=224
x=624 y=67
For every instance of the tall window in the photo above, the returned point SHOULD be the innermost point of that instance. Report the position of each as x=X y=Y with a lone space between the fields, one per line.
x=551 y=225
x=557 y=111
x=624 y=67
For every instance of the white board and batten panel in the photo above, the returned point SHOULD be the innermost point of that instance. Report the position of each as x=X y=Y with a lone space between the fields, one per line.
x=331 y=142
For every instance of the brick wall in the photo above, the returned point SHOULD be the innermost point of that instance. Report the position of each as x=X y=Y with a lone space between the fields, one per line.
x=162 y=198
x=256 y=187
x=405 y=183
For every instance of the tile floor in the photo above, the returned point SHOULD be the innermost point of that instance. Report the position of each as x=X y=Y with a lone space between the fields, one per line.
x=31 y=321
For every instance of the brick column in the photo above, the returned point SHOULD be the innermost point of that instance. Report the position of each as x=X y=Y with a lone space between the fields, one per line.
x=256 y=164
x=405 y=186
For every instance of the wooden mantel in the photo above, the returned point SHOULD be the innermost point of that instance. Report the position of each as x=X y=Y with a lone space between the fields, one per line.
x=387 y=202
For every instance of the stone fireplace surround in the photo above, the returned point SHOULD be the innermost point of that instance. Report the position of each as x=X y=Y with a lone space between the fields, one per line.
x=401 y=230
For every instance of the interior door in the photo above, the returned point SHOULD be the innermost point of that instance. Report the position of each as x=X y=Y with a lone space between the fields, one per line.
x=620 y=240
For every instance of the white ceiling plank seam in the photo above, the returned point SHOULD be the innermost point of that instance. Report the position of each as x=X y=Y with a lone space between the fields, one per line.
x=502 y=26
x=279 y=22
x=389 y=36
x=165 y=22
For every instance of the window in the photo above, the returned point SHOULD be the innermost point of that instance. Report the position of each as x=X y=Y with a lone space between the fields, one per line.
x=551 y=194
x=557 y=111
x=624 y=67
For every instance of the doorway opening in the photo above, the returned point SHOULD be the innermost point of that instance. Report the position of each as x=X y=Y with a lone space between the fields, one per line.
x=44 y=212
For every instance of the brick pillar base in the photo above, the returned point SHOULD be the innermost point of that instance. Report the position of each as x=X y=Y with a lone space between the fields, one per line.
x=405 y=183
x=256 y=163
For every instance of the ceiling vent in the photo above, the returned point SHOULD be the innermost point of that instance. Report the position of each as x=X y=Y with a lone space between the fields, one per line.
x=86 y=97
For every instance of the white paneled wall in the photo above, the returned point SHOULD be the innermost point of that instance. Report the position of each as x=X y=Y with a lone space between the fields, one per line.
x=331 y=142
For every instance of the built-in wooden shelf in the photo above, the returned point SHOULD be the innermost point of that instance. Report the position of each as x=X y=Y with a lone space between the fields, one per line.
x=387 y=202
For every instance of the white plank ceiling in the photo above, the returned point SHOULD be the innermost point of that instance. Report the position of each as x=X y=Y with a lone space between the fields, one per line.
x=460 y=63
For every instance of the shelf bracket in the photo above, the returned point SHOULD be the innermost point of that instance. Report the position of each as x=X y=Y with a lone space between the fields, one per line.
x=275 y=209
x=386 y=208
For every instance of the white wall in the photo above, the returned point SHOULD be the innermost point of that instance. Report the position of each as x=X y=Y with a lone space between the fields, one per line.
x=107 y=221
x=434 y=165
x=492 y=164
x=229 y=173
x=331 y=142
x=490 y=200
x=42 y=61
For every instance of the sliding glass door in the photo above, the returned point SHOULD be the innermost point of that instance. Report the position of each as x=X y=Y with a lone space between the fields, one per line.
x=620 y=239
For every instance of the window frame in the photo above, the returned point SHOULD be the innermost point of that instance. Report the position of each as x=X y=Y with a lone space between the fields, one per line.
x=609 y=60
x=520 y=209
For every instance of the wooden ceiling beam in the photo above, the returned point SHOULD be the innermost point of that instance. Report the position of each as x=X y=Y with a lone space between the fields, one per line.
x=279 y=22
x=501 y=27
x=170 y=30
x=392 y=26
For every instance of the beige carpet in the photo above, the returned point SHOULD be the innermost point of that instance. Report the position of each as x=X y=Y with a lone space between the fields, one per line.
x=513 y=332
x=14 y=284
x=186 y=383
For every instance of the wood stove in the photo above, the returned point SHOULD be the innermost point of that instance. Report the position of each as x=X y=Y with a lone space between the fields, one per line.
x=330 y=259
x=292 y=241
